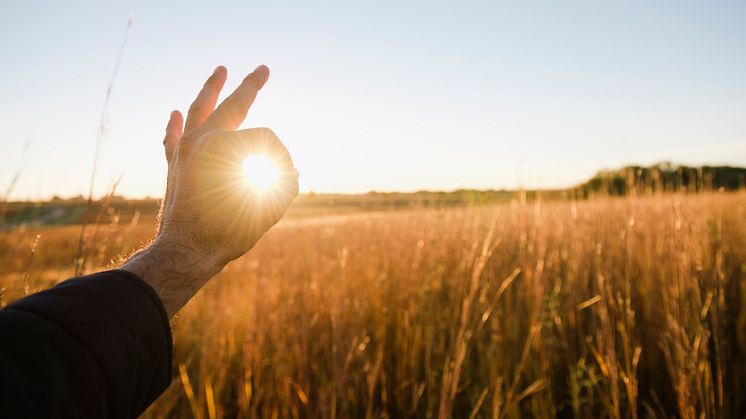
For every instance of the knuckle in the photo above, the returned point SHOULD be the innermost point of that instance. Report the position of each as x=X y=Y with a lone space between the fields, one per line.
x=189 y=141
x=266 y=132
x=196 y=108
x=209 y=140
x=222 y=116
x=183 y=145
x=211 y=136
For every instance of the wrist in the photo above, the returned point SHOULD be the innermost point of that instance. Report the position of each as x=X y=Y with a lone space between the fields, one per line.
x=178 y=253
x=175 y=271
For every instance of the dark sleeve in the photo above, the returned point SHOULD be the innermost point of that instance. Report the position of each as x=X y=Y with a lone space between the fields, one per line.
x=94 y=346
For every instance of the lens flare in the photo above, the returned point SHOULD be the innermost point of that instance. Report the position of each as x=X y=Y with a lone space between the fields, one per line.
x=260 y=171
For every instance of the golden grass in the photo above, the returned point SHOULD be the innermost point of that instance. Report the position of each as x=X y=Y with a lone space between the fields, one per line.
x=605 y=308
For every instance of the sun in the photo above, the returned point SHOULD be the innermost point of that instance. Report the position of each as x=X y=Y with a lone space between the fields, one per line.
x=260 y=171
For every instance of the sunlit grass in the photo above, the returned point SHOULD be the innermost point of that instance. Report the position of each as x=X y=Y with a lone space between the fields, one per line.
x=603 y=308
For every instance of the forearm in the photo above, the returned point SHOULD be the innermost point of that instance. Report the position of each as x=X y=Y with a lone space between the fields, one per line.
x=176 y=272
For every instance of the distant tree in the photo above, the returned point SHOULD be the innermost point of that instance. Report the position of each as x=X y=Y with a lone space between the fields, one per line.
x=661 y=177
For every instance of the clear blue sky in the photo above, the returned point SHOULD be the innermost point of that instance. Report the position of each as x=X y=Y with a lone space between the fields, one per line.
x=380 y=95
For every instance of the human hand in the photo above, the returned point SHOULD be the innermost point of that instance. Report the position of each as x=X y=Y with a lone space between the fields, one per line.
x=210 y=214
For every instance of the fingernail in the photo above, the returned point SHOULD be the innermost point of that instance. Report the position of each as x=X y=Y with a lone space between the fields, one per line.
x=214 y=72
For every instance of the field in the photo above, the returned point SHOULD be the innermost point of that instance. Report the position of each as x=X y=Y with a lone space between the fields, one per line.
x=611 y=307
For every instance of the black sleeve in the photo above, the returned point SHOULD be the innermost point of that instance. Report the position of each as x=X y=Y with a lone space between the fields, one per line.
x=94 y=346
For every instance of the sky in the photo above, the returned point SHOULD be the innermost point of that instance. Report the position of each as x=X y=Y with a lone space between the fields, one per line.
x=386 y=96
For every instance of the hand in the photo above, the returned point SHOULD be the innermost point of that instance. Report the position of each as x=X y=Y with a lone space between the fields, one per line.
x=210 y=214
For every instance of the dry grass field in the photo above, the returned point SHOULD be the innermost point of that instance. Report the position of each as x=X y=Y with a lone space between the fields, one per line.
x=613 y=307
